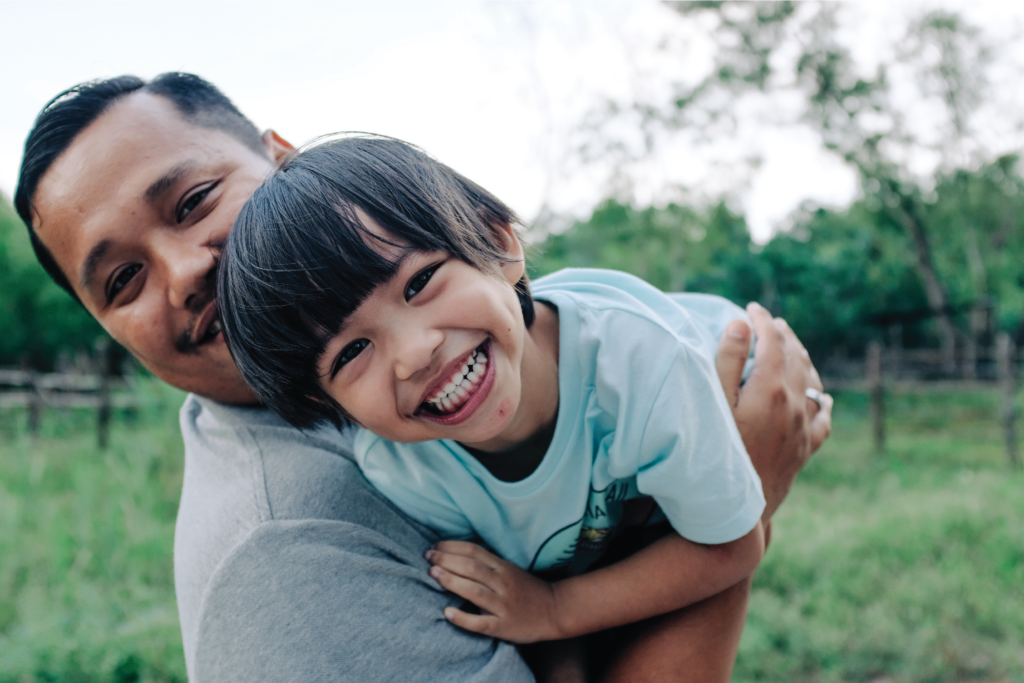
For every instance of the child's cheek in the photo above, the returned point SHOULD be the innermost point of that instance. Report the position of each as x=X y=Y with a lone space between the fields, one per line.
x=505 y=408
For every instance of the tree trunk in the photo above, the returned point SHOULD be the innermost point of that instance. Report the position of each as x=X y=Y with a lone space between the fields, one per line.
x=907 y=216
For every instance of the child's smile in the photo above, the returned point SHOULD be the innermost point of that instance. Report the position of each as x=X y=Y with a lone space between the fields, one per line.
x=441 y=351
x=456 y=397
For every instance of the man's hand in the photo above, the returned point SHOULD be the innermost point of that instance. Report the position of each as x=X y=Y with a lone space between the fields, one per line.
x=516 y=606
x=780 y=426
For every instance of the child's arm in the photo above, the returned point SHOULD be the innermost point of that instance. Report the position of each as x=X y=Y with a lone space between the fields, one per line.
x=517 y=606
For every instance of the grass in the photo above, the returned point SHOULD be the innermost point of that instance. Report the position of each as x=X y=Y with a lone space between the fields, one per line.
x=906 y=567
x=86 y=577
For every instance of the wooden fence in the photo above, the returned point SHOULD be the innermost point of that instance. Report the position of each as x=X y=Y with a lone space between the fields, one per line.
x=886 y=369
x=100 y=390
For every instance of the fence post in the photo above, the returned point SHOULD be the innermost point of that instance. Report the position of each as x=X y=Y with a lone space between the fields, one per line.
x=874 y=372
x=103 y=365
x=895 y=349
x=35 y=403
x=1008 y=383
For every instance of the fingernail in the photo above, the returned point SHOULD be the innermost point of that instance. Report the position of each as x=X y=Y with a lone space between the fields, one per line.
x=435 y=572
x=448 y=611
x=427 y=555
x=737 y=332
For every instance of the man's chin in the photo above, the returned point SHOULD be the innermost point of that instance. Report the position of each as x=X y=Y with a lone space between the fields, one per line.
x=210 y=372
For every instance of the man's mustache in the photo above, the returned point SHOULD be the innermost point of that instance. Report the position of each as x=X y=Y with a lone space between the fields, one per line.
x=184 y=343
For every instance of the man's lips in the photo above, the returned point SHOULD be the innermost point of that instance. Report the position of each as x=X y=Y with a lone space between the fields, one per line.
x=208 y=326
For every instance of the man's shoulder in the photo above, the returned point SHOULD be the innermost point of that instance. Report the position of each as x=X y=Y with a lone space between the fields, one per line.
x=246 y=473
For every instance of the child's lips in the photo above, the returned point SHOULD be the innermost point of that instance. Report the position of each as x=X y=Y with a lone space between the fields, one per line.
x=445 y=377
x=460 y=385
x=471 y=402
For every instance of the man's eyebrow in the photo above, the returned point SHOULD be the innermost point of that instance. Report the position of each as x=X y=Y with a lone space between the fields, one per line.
x=92 y=262
x=167 y=180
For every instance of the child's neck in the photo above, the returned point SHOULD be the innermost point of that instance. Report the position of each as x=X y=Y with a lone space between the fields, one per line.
x=519 y=449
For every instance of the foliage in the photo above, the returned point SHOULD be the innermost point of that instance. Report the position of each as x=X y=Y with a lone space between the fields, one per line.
x=918 y=106
x=38 y=318
x=675 y=248
x=835 y=272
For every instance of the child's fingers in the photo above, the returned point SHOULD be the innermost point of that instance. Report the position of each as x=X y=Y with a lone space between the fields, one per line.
x=466 y=567
x=477 y=593
x=486 y=624
x=466 y=549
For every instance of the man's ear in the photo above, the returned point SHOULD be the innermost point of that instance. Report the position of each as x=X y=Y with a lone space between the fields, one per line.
x=277 y=146
x=509 y=241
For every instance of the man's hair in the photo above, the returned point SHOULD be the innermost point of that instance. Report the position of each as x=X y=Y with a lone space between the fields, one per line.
x=71 y=112
x=298 y=261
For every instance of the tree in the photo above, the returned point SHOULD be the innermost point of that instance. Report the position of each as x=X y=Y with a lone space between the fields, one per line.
x=37 y=317
x=769 y=54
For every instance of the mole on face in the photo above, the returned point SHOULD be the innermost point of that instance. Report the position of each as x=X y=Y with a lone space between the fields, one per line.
x=505 y=407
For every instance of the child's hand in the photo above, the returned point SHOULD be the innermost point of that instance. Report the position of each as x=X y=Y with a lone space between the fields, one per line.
x=516 y=606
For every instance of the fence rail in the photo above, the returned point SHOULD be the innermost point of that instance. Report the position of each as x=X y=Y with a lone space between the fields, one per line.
x=886 y=370
x=101 y=391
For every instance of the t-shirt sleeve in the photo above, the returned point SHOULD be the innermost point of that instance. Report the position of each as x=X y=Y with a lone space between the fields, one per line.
x=675 y=431
x=334 y=602
x=416 y=489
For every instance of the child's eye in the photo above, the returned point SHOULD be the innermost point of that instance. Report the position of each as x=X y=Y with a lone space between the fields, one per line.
x=347 y=354
x=419 y=281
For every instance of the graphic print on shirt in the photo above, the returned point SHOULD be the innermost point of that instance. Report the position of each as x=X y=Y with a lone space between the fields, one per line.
x=573 y=548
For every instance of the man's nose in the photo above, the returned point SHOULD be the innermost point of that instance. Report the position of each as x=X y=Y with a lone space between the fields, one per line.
x=415 y=350
x=189 y=272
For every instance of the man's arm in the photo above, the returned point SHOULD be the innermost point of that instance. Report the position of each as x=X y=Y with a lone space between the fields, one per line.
x=315 y=600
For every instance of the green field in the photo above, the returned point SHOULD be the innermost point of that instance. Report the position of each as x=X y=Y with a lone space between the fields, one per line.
x=907 y=567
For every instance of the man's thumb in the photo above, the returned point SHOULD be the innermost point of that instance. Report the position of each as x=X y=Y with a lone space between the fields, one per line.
x=732 y=355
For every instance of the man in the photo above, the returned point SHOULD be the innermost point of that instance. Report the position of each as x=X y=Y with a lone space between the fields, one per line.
x=288 y=565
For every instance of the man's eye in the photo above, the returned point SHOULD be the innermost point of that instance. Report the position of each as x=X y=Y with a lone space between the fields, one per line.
x=192 y=202
x=348 y=353
x=419 y=281
x=122 y=279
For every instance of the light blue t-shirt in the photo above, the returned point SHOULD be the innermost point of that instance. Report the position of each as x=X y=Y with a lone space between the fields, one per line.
x=641 y=413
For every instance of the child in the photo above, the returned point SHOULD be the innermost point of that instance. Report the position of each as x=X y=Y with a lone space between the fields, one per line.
x=367 y=283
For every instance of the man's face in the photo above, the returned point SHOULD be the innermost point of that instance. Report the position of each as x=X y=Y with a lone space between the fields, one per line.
x=135 y=212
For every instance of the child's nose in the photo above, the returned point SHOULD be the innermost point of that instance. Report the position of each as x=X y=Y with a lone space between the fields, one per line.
x=416 y=349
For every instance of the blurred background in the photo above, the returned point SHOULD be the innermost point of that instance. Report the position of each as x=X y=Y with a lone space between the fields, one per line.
x=852 y=166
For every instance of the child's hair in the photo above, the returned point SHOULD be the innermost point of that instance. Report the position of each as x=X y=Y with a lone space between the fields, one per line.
x=298 y=261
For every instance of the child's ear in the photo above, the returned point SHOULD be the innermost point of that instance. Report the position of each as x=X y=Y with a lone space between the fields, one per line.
x=277 y=146
x=513 y=248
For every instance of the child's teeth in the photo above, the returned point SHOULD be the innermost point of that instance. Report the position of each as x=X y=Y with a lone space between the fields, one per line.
x=455 y=392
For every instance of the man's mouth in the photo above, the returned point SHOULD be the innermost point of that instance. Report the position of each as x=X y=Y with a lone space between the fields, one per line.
x=208 y=326
x=461 y=386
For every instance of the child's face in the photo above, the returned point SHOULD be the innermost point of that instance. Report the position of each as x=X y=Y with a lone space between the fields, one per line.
x=439 y=322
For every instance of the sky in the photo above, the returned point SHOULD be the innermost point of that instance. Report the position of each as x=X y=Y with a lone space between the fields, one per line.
x=493 y=89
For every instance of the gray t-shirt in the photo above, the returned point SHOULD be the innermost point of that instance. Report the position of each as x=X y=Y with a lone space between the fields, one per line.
x=289 y=566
